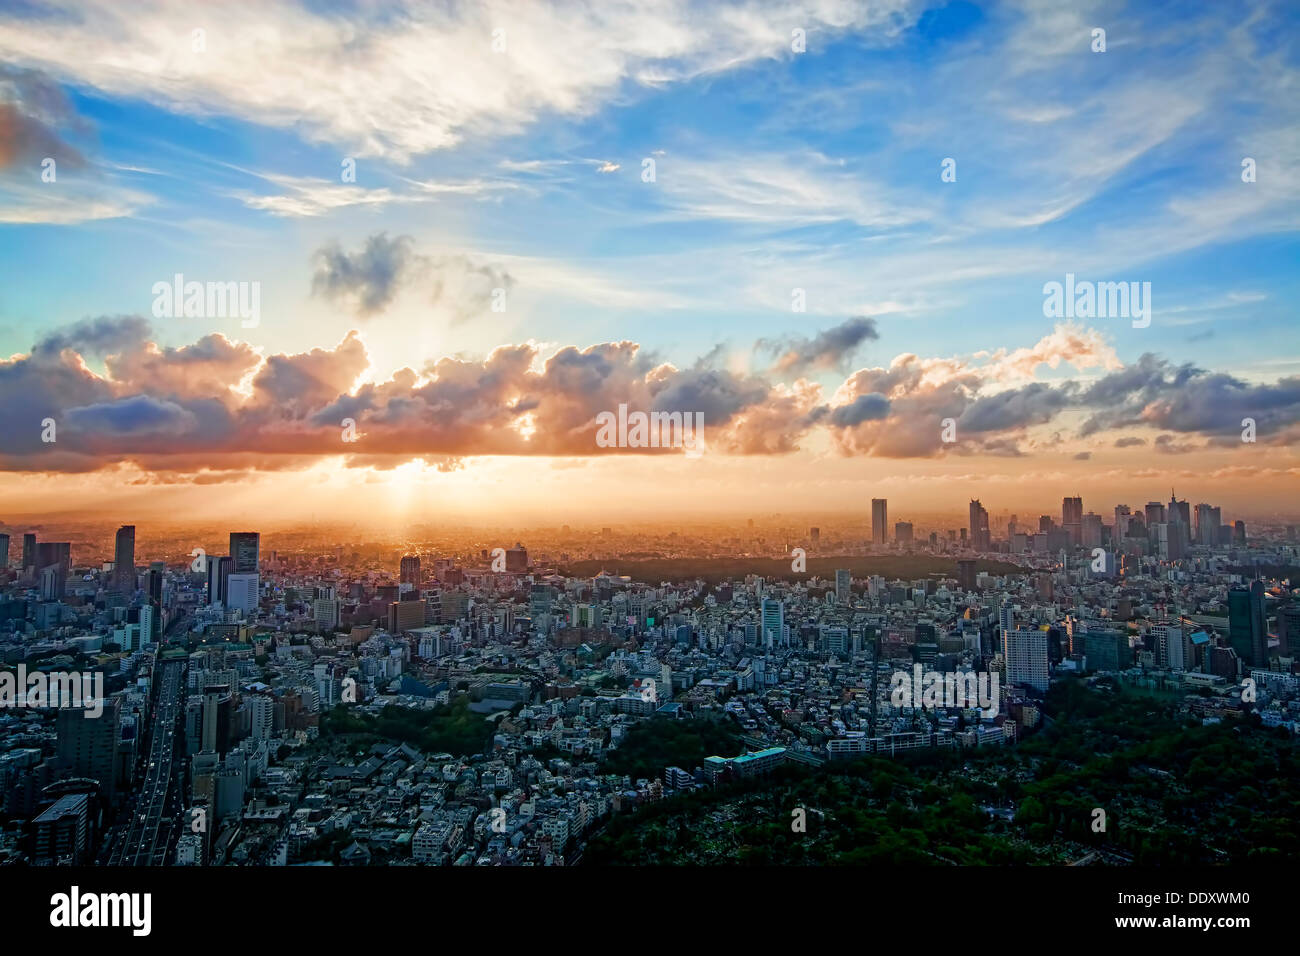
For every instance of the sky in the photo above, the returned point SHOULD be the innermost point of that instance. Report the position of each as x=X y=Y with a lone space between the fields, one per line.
x=827 y=229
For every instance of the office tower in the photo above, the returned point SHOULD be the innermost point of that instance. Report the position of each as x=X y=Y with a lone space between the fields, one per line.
x=1006 y=619
x=218 y=574
x=1208 y=521
x=966 y=575
x=979 y=526
x=88 y=745
x=405 y=616
x=879 y=517
x=245 y=547
x=1123 y=521
x=1179 y=511
x=124 y=561
x=1239 y=532
x=1107 y=650
x=1024 y=654
x=517 y=559
x=1090 y=530
x=243 y=591
x=325 y=612
x=29 y=551
x=843 y=585
x=1045 y=524
x=773 y=622
x=55 y=552
x=409 y=572
x=4 y=552
x=154 y=582
x=1155 y=513
x=216 y=720
x=903 y=532
x=1246 y=624
x=1173 y=650
x=1072 y=518
x=1170 y=538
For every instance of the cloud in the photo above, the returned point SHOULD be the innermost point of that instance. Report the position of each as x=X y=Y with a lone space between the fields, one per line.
x=219 y=406
x=425 y=77
x=368 y=278
x=830 y=349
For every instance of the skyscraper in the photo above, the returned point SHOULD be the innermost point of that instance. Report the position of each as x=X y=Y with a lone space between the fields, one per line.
x=4 y=551
x=1246 y=624
x=88 y=745
x=879 y=519
x=409 y=572
x=123 y=581
x=245 y=547
x=979 y=526
x=773 y=622
x=843 y=585
x=29 y=551
x=1024 y=653
x=1072 y=518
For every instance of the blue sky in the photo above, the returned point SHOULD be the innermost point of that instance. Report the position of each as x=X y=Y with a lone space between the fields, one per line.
x=775 y=170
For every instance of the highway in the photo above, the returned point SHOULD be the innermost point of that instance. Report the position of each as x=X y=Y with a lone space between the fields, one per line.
x=149 y=836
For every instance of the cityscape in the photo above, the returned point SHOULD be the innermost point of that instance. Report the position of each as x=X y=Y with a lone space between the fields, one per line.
x=521 y=704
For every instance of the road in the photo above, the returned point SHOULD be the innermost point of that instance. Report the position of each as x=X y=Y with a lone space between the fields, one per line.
x=149 y=836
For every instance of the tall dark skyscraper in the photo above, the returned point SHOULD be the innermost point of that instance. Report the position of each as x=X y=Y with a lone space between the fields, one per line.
x=218 y=573
x=4 y=551
x=979 y=526
x=1246 y=624
x=124 y=560
x=1072 y=518
x=155 y=584
x=879 y=520
x=409 y=572
x=244 y=551
x=29 y=551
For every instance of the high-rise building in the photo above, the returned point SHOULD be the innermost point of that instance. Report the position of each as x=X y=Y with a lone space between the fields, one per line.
x=1072 y=518
x=218 y=574
x=772 y=624
x=4 y=551
x=88 y=745
x=979 y=526
x=1208 y=520
x=409 y=572
x=124 y=561
x=1246 y=624
x=966 y=574
x=1239 y=532
x=245 y=547
x=879 y=520
x=1090 y=530
x=517 y=559
x=903 y=532
x=1024 y=653
x=154 y=582
x=243 y=591
x=815 y=535
x=843 y=585
x=29 y=551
